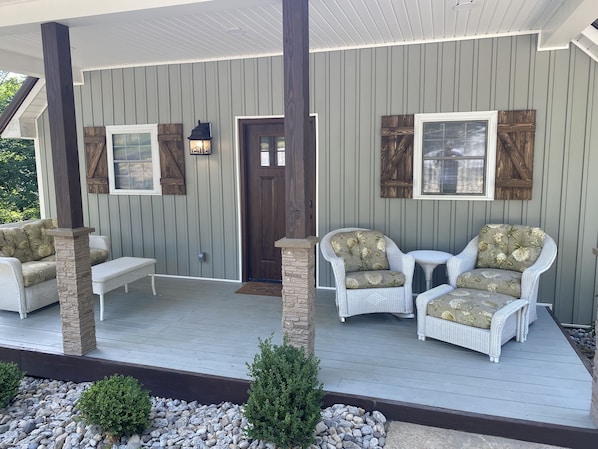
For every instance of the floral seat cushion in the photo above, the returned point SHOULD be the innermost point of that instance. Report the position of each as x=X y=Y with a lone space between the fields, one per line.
x=509 y=247
x=38 y=271
x=492 y=280
x=468 y=306
x=374 y=279
x=361 y=250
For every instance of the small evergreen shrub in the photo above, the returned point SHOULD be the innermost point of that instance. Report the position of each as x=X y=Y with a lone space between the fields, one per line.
x=117 y=404
x=10 y=380
x=285 y=397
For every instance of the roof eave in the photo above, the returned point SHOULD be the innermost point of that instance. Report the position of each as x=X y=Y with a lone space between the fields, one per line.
x=17 y=101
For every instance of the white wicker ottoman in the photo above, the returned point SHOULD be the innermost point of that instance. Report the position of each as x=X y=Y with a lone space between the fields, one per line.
x=507 y=322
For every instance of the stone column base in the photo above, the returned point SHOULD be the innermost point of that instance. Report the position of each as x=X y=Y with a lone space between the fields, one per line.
x=73 y=276
x=299 y=291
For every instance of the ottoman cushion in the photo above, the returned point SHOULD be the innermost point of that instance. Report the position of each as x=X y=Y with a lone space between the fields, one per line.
x=468 y=306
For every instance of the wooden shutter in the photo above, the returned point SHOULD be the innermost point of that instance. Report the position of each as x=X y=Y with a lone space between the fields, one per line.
x=515 y=155
x=396 y=178
x=172 y=159
x=96 y=157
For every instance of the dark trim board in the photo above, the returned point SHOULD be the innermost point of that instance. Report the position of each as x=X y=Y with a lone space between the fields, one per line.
x=209 y=389
x=16 y=102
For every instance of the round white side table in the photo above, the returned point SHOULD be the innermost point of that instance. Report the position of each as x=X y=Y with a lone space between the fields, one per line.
x=429 y=259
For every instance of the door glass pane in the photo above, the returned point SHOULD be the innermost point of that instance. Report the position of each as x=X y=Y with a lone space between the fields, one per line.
x=265 y=151
x=280 y=152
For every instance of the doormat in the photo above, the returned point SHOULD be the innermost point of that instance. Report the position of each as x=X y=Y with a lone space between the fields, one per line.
x=261 y=288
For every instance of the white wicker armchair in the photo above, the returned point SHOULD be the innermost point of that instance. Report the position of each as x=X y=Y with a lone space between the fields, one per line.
x=397 y=300
x=467 y=261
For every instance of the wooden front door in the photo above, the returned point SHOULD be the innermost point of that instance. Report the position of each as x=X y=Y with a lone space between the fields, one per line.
x=263 y=196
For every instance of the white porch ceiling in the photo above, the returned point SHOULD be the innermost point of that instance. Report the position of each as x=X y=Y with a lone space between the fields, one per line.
x=124 y=33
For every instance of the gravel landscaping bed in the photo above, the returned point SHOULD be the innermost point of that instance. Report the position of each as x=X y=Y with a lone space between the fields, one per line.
x=585 y=341
x=42 y=416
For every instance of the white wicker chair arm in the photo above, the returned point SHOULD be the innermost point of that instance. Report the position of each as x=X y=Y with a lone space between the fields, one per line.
x=530 y=278
x=11 y=280
x=424 y=298
x=462 y=262
x=421 y=303
x=337 y=263
x=501 y=315
x=399 y=261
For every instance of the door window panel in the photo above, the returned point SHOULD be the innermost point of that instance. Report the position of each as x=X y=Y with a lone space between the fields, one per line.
x=272 y=151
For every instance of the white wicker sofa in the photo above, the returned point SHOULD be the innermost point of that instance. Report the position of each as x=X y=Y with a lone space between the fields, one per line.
x=28 y=265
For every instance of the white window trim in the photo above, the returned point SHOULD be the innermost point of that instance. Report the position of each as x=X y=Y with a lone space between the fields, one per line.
x=152 y=129
x=420 y=119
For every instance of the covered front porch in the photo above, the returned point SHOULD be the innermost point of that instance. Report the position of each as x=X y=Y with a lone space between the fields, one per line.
x=194 y=339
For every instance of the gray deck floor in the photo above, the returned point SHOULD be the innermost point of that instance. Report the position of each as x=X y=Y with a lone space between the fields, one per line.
x=203 y=326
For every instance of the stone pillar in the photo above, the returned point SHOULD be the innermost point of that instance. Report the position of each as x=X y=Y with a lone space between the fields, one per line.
x=73 y=275
x=299 y=291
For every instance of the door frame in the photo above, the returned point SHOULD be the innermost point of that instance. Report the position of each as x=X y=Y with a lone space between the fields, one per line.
x=240 y=121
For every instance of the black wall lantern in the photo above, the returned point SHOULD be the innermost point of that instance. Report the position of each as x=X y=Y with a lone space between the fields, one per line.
x=200 y=140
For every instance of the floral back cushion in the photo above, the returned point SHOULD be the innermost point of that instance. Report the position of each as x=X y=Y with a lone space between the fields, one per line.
x=361 y=250
x=42 y=244
x=509 y=247
x=14 y=243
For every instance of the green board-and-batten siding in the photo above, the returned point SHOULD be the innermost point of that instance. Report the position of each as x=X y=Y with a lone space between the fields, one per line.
x=350 y=91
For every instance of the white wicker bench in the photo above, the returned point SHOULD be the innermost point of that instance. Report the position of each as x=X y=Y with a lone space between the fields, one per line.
x=115 y=273
x=507 y=322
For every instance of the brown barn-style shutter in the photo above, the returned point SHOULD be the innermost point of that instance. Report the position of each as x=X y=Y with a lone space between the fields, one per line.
x=396 y=178
x=172 y=159
x=515 y=155
x=96 y=157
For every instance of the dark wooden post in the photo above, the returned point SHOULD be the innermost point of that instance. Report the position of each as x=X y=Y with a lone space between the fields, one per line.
x=298 y=258
x=73 y=268
x=295 y=22
x=63 y=125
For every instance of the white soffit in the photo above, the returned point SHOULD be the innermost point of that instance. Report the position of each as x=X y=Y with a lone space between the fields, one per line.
x=588 y=42
x=117 y=33
x=567 y=23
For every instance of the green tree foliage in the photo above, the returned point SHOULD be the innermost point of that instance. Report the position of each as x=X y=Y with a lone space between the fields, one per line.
x=19 y=198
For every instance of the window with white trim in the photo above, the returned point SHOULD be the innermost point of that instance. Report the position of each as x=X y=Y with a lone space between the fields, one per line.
x=133 y=159
x=455 y=155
